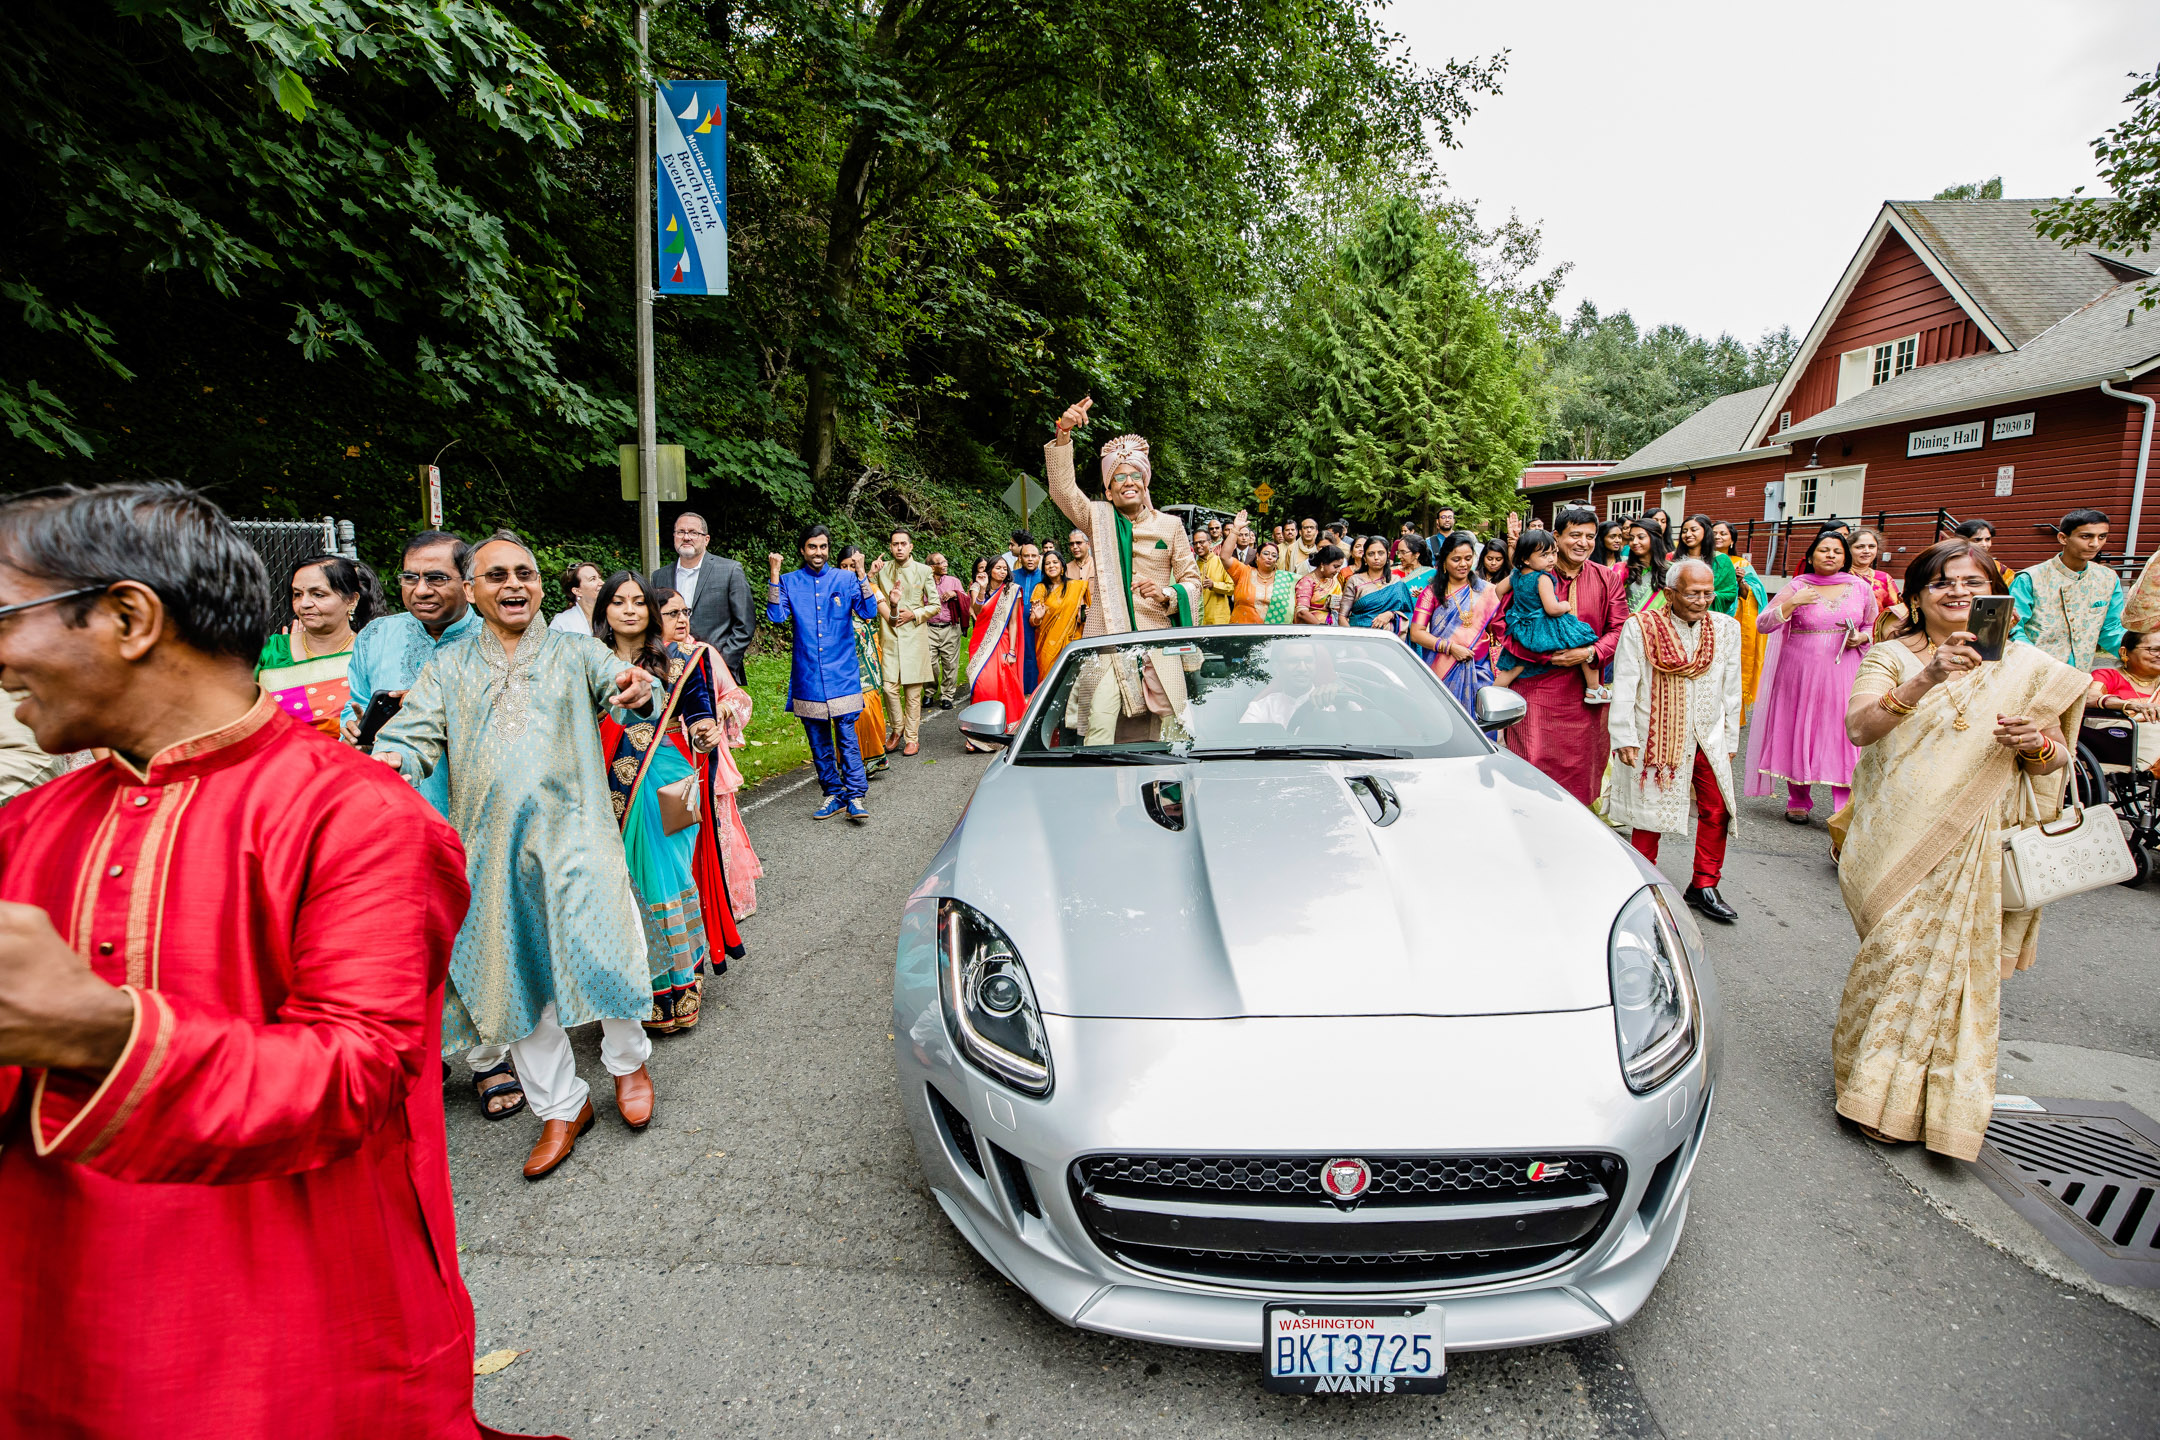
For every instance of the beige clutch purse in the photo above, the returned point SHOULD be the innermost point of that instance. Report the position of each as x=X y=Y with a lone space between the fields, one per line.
x=678 y=805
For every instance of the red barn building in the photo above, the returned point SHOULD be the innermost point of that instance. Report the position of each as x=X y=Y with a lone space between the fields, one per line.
x=1964 y=367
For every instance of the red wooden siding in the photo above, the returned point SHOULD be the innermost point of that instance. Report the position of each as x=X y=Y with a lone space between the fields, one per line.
x=2083 y=452
x=1895 y=296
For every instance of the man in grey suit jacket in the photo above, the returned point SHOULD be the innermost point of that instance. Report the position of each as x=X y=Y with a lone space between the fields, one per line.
x=719 y=596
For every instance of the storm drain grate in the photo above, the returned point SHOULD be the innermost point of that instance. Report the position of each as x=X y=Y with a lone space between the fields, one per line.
x=2086 y=1173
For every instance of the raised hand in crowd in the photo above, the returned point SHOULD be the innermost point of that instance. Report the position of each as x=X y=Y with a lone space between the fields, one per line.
x=1074 y=418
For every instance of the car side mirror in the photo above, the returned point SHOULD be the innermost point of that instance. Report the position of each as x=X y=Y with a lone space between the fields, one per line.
x=1498 y=707
x=985 y=721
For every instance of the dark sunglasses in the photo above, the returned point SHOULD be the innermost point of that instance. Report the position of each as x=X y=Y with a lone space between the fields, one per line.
x=432 y=578
x=75 y=594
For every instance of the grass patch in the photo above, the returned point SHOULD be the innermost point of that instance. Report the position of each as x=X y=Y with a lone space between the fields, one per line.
x=775 y=737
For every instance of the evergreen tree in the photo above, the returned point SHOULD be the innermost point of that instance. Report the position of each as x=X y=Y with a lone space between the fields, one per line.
x=1401 y=392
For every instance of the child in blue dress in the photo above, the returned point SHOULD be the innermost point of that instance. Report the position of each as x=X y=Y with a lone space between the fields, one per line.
x=1540 y=621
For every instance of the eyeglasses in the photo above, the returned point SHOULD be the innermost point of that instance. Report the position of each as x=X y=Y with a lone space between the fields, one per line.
x=75 y=594
x=499 y=576
x=674 y=610
x=1945 y=587
x=433 y=579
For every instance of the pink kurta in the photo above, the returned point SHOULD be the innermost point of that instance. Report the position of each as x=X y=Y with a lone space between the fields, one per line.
x=1562 y=736
x=1797 y=730
x=244 y=1227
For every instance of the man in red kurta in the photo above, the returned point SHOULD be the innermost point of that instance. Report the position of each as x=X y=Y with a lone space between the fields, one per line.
x=1561 y=735
x=222 y=956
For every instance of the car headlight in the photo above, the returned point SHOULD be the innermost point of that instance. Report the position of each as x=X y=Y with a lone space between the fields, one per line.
x=1653 y=990
x=989 y=1002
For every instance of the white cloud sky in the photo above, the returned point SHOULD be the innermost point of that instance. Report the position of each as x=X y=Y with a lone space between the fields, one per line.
x=1715 y=164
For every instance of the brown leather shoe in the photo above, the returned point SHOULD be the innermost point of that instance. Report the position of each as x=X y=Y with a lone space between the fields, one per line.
x=910 y=748
x=634 y=1097
x=557 y=1139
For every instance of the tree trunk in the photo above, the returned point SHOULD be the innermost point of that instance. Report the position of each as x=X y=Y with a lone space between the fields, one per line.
x=843 y=257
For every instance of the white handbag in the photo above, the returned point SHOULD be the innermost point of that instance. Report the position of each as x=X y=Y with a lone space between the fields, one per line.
x=2082 y=850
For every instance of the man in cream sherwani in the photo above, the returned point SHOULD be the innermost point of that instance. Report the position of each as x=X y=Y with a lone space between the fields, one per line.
x=1676 y=726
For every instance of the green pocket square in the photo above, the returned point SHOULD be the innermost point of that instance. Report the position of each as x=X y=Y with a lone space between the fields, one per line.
x=1162 y=544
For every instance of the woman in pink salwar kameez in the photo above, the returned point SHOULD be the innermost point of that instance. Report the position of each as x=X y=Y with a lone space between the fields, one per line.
x=1819 y=626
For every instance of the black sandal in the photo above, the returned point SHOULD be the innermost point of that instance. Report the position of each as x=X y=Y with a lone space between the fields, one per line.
x=488 y=1092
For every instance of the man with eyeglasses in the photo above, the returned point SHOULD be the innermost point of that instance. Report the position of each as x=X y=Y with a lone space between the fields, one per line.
x=716 y=590
x=555 y=935
x=387 y=655
x=221 y=976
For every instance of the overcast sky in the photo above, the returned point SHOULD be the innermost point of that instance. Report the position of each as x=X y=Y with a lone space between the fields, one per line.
x=1717 y=164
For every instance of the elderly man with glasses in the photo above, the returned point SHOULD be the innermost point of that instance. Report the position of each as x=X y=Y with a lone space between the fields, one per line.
x=387 y=656
x=555 y=937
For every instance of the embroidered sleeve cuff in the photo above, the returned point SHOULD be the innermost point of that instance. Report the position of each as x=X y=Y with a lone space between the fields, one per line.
x=75 y=1116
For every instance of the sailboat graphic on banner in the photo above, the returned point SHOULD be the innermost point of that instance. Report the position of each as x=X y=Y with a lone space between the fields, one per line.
x=689 y=112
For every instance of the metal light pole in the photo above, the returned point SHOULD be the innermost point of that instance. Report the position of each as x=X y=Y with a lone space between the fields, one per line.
x=648 y=425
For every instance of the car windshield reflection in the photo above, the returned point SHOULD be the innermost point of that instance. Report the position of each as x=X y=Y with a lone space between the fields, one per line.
x=1246 y=697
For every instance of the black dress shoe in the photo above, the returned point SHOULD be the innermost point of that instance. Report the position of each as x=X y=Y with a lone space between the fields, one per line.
x=1709 y=902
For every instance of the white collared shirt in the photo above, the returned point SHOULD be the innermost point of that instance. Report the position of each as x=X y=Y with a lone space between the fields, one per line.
x=686 y=579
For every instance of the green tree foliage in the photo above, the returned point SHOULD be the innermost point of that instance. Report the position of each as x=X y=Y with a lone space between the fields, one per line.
x=288 y=249
x=1990 y=189
x=1398 y=390
x=1613 y=388
x=2128 y=157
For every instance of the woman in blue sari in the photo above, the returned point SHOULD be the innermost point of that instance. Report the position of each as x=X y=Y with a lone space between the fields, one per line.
x=1371 y=600
x=683 y=925
x=1451 y=617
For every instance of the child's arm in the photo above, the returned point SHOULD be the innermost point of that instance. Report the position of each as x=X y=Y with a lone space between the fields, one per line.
x=1550 y=598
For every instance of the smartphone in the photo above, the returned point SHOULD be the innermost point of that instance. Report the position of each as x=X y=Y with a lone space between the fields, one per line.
x=1990 y=625
x=380 y=708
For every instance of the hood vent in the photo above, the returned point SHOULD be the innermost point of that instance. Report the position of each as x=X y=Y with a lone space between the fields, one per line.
x=1165 y=801
x=1378 y=798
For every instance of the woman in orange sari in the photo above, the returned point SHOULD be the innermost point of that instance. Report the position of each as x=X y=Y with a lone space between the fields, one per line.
x=1058 y=607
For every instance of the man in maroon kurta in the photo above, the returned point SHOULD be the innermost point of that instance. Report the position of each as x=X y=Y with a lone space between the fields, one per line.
x=1561 y=735
x=222 y=955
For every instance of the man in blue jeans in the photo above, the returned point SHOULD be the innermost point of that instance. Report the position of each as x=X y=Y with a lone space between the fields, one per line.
x=825 y=687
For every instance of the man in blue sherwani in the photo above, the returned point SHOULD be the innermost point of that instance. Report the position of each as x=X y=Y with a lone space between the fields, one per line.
x=825 y=689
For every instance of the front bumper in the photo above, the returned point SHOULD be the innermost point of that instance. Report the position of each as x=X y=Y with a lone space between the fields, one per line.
x=1375 y=1085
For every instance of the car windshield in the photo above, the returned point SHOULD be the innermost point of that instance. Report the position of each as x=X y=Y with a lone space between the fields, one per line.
x=1203 y=696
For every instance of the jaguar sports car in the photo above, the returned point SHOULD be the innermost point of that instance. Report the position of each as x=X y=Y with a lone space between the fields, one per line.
x=1260 y=1001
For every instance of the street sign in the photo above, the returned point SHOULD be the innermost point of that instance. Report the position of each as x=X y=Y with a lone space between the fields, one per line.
x=1262 y=494
x=430 y=497
x=1023 y=495
x=690 y=156
x=673 y=477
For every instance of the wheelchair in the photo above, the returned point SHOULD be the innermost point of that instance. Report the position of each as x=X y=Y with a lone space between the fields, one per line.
x=2107 y=772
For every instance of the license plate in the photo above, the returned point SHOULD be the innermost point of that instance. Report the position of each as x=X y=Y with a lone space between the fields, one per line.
x=1355 y=1349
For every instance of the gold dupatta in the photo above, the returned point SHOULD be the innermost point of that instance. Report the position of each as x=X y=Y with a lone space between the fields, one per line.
x=1920 y=790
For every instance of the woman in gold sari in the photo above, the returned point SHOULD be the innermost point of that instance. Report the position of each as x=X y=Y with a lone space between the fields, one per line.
x=1057 y=608
x=1943 y=737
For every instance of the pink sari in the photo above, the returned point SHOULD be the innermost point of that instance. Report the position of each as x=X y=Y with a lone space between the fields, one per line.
x=1797 y=733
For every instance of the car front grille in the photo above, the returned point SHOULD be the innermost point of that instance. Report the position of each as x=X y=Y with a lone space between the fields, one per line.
x=1424 y=1220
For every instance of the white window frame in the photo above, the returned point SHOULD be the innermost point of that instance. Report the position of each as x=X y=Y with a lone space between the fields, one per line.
x=1628 y=503
x=1871 y=365
x=1809 y=488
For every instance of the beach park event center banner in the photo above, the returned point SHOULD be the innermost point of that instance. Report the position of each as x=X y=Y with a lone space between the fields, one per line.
x=690 y=154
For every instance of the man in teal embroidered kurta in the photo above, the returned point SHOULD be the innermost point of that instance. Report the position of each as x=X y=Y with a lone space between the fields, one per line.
x=554 y=937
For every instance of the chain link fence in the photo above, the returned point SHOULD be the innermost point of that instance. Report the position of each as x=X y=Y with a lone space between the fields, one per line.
x=283 y=544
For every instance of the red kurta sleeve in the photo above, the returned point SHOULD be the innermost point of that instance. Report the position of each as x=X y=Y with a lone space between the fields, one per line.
x=205 y=1096
x=1610 y=612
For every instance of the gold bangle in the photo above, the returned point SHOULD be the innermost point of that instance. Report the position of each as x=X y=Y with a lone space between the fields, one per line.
x=1895 y=706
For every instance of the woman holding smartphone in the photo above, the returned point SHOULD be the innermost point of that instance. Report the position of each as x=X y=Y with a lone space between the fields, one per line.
x=1945 y=736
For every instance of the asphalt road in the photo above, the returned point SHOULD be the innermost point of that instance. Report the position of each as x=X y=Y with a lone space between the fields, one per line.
x=764 y=1261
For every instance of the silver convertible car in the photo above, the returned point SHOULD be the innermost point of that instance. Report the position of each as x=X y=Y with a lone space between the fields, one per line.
x=1259 y=1001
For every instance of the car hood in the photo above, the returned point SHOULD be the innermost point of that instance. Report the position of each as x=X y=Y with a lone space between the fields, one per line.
x=1493 y=892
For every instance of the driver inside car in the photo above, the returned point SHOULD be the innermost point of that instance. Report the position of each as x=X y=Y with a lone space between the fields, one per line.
x=1302 y=675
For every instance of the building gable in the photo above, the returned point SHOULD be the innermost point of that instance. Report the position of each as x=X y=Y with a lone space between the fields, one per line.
x=1898 y=302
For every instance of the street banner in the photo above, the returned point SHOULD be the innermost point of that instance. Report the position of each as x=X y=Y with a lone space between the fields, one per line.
x=690 y=158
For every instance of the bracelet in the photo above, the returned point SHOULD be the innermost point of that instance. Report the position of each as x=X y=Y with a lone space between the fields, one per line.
x=2035 y=757
x=1895 y=706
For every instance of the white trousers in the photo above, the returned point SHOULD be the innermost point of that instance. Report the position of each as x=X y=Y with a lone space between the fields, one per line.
x=485 y=1057
x=548 y=1069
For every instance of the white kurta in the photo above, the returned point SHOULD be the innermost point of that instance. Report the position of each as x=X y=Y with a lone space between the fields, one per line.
x=1713 y=716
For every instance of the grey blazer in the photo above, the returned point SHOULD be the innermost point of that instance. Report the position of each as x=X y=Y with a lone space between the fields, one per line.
x=720 y=612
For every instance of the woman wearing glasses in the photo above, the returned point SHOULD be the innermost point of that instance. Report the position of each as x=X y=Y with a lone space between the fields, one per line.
x=1818 y=626
x=1949 y=741
x=656 y=779
x=740 y=868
